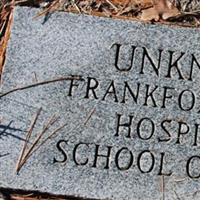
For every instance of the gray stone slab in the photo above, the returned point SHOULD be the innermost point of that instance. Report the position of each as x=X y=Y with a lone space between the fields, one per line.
x=122 y=80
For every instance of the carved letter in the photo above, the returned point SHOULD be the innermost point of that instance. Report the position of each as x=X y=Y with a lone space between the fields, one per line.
x=174 y=65
x=60 y=148
x=188 y=167
x=118 y=47
x=128 y=125
x=146 y=55
x=123 y=168
x=91 y=88
x=107 y=156
x=75 y=151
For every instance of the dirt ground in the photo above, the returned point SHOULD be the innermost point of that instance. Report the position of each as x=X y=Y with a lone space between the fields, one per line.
x=19 y=195
x=170 y=12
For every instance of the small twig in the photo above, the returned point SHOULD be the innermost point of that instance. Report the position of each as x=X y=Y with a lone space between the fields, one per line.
x=2 y=27
x=77 y=8
x=163 y=188
x=39 y=84
x=51 y=121
x=89 y=116
x=178 y=198
x=34 y=147
x=43 y=142
x=195 y=13
x=107 y=13
x=52 y=134
x=179 y=180
x=47 y=10
x=4 y=155
x=112 y=5
x=5 y=38
x=29 y=132
x=35 y=77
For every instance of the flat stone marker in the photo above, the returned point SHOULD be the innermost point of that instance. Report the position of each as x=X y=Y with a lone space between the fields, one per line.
x=110 y=108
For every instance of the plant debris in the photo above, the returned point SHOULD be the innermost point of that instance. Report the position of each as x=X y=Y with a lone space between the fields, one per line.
x=161 y=10
x=20 y=88
x=39 y=141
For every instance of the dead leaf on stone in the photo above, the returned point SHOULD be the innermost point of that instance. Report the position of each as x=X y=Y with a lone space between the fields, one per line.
x=162 y=9
x=150 y=14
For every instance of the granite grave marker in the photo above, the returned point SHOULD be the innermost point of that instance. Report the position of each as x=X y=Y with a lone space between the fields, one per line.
x=117 y=103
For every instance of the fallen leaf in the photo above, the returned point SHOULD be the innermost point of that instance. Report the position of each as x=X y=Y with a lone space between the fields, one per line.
x=162 y=9
x=150 y=14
